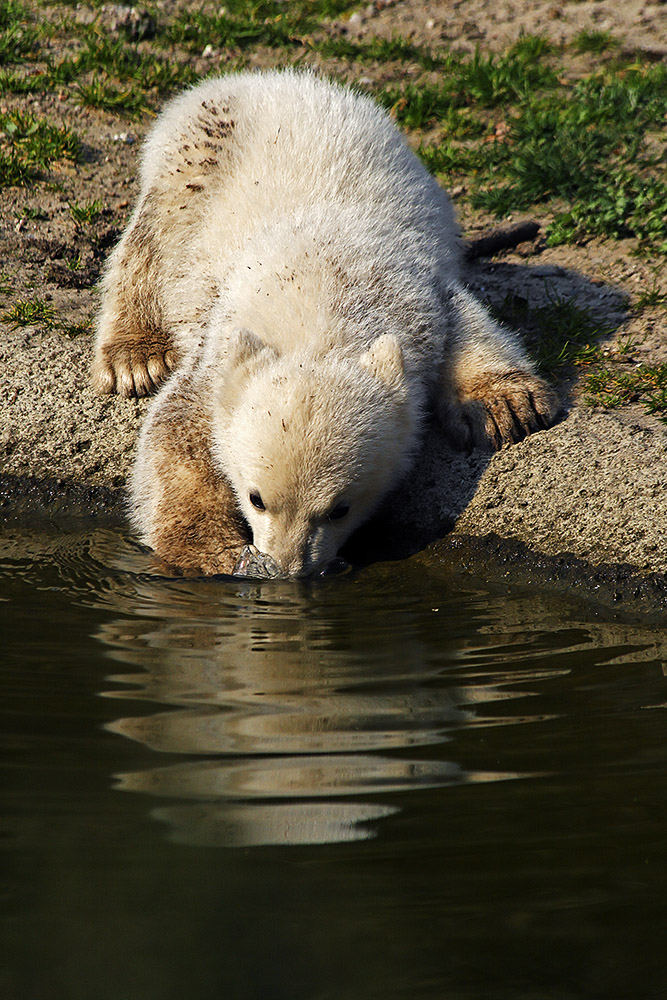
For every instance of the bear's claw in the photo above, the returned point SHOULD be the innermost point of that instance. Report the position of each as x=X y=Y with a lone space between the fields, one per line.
x=501 y=410
x=137 y=370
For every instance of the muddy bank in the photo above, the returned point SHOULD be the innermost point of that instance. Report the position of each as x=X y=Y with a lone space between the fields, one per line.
x=571 y=504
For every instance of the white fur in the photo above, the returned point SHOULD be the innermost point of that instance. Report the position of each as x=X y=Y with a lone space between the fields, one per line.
x=308 y=271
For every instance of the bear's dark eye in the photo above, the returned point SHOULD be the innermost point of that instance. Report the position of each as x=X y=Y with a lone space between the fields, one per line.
x=340 y=510
x=256 y=501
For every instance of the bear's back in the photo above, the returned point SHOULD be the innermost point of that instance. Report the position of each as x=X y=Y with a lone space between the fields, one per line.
x=288 y=140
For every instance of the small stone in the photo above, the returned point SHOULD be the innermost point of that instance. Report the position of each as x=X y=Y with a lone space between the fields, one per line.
x=136 y=22
x=85 y=16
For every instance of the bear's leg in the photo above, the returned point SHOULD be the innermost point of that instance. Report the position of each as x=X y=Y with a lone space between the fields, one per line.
x=489 y=394
x=182 y=506
x=134 y=353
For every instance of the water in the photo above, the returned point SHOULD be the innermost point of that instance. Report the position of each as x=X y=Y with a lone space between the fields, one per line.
x=394 y=784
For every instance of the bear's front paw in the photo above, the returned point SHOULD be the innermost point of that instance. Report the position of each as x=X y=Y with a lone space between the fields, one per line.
x=502 y=409
x=132 y=367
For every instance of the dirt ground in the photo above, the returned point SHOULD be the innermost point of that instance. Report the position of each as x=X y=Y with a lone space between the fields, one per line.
x=594 y=487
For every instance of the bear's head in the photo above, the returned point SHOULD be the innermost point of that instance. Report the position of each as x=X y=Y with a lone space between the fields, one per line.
x=311 y=445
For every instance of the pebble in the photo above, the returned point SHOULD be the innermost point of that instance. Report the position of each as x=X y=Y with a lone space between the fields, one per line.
x=85 y=16
x=137 y=22
x=125 y=137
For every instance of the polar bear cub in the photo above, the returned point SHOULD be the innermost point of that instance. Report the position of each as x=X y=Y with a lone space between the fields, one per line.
x=297 y=271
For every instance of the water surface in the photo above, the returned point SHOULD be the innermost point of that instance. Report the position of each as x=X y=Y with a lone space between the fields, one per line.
x=396 y=783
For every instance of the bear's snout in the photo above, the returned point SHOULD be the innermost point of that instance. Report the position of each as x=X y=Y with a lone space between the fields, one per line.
x=306 y=558
x=260 y=566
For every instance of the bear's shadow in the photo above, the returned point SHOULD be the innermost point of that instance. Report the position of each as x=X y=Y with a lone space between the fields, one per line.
x=442 y=482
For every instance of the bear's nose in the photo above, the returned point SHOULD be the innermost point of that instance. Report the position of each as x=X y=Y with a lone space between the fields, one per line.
x=334 y=567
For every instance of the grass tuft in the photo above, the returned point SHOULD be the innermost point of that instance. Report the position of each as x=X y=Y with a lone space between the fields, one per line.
x=611 y=388
x=558 y=335
x=482 y=81
x=100 y=94
x=40 y=314
x=18 y=83
x=29 y=145
x=595 y=41
x=86 y=214
x=18 y=37
x=246 y=23
x=30 y=312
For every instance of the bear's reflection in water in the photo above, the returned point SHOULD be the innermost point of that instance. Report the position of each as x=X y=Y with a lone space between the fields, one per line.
x=297 y=705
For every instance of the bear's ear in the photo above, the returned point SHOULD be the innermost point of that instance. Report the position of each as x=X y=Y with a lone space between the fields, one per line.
x=242 y=357
x=245 y=346
x=384 y=360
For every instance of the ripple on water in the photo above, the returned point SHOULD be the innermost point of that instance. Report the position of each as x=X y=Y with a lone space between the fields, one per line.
x=285 y=700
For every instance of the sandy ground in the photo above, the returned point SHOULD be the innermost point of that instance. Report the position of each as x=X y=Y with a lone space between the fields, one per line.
x=591 y=489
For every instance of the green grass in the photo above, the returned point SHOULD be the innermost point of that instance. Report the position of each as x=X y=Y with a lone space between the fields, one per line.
x=246 y=24
x=562 y=336
x=41 y=315
x=195 y=30
x=506 y=124
x=377 y=49
x=113 y=75
x=18 y=36
x=84 y=215
x=595 y=41
x=30 y=312
x=108 y=97
x=651 y=298
x=29 y=145
x=610 y=387
x=19 y=83
x=35 y=214
x=558 y=335
x=588 y=146
x=479 y=82
x=79 y=329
